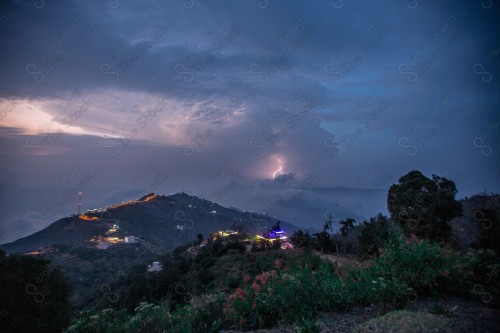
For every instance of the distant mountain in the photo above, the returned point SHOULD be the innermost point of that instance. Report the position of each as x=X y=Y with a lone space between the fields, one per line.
x=311 y=212
x=306 y=207
x=161 y=221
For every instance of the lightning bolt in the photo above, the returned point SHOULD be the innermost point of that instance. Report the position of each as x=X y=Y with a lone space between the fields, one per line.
x=279 y=170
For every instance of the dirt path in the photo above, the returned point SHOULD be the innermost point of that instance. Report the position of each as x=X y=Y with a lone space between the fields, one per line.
x=425 y=315
x=439 y=314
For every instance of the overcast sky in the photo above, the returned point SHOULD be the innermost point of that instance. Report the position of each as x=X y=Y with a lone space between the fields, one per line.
x=219 y=98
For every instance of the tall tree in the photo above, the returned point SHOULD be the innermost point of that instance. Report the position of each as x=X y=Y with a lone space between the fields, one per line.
x=302 y=239
x=329 y=225
x=276 y=226
x=324 y=242
x=346 y=225
x=372 y=235
x=424 y=206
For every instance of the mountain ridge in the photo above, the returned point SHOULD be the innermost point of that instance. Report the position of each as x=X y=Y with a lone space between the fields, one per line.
x=167 y=221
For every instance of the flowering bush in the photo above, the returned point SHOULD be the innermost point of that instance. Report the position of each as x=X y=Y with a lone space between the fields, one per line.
x=403 y=270
x=282 y=296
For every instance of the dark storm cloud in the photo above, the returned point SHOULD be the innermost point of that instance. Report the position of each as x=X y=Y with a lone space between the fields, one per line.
x=208 y=97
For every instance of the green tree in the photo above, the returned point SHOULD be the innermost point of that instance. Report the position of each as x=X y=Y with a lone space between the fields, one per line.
x=302 y=239
x=346 y=226
x=34 y=295
x=424 y=206
x=329 y=225
x=324 y=242
x=372 y=235
x=276 y=226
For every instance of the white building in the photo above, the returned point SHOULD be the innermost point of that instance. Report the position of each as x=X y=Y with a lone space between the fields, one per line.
x=155 y=267
x=130 y=239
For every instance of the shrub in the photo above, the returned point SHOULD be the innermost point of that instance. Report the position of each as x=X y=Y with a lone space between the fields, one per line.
x=149 y=318
x=308 y=326
x=429 y=268
x=280 y=296
x=233 y=282
x=366 y=286
x=417 y=263
x=206 y=313
x=206 y=317
x=481 y=272
x=107 y=320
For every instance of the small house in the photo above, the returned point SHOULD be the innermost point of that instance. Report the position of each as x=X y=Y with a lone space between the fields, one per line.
x=130 y=239
x=155 y=267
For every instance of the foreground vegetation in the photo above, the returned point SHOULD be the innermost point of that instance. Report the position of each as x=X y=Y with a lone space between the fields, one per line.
x=295 y=294
x=34 y=297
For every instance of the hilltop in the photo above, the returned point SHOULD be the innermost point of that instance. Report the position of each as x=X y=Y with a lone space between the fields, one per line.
x=159 y=222
x=96 y=248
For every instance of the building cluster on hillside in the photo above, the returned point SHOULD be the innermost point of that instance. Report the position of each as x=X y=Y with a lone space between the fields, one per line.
x=220 y=234
x=273 y=235
x=87 y=217
x=112 y=236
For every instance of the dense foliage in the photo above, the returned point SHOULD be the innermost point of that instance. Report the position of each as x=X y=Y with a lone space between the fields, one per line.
x=296 y=286
x=372 y=235
x=423 y=206
x=488 y=223
x=34 y=297
x=365 y=238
